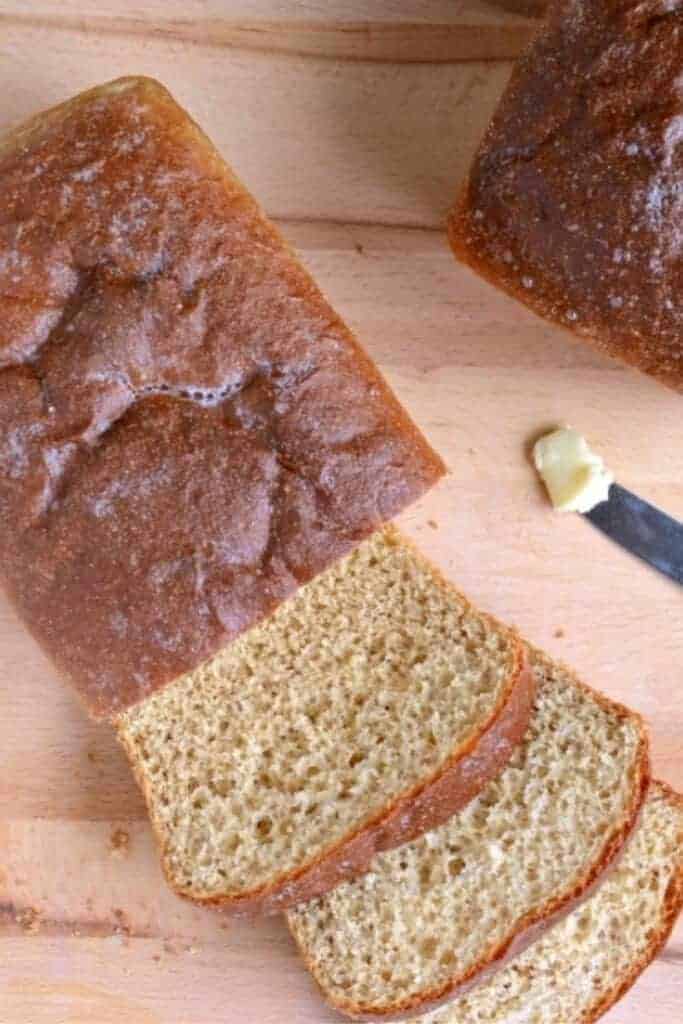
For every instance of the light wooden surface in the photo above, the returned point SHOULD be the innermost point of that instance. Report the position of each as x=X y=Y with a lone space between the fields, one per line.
x=352 y=122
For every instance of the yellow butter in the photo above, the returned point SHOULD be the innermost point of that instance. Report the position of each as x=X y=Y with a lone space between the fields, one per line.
x=575 y=477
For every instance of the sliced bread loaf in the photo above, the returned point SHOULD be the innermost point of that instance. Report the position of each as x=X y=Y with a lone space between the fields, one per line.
x=431 y=916
x=589 y=960
x=367 y=709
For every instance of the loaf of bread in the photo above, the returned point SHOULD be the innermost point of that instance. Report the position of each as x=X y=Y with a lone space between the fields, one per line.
x=368 y=708
x=436 y=914
x=583 y=965
x=188 y=432
x=574 y=202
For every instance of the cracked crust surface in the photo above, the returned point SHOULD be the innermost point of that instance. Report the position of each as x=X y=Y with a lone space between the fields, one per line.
x=573 y=204
x=187 y=430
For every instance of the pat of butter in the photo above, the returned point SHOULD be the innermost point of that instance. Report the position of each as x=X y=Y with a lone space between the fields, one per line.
x=575 y=477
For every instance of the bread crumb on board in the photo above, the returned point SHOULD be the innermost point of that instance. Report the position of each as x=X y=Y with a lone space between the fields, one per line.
x=121 y=925
x=175 y=947
x=29 y=920
x=119 y=843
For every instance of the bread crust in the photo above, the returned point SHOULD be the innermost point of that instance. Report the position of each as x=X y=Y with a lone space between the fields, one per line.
x=192 y=430
x=533 y=925
x=619 y=346
x=429 y=804
x=569 y=203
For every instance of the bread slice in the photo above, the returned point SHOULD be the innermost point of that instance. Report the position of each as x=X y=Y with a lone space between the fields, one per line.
x=583 y=965
x=367 y=709
x=431 y=916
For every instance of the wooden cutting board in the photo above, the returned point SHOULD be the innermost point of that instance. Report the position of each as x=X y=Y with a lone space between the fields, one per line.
x=352 y=121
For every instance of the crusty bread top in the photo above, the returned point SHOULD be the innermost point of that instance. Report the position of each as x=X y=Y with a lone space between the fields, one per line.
x=187 y=430
x=574 y=203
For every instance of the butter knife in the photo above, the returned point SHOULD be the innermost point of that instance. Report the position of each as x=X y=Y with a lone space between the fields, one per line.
x=645 y=531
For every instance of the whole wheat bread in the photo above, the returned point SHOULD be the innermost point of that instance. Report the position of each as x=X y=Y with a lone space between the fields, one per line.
x=585 y=963
x=368 y=708
x=188 y=432
x=432 y=915
x=572 y=204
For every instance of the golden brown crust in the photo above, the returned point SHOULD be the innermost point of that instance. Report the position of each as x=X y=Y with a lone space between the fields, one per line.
x=538 y=922
x=427 y=805
x=188 y=431
x=572 y=204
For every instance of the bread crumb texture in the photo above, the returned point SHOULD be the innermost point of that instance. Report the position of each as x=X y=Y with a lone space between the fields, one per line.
x=309 y=726
x=584 y=961
x=436 y=910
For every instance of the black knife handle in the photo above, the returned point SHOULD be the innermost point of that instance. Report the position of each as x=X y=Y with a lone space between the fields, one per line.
x=642 y=529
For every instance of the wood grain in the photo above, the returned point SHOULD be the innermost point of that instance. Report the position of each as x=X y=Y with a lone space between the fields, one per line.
x=315 y=139
x=430 y=31
x=354 y=137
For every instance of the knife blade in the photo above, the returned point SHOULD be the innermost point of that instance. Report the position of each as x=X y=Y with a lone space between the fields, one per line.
x=642 y=529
